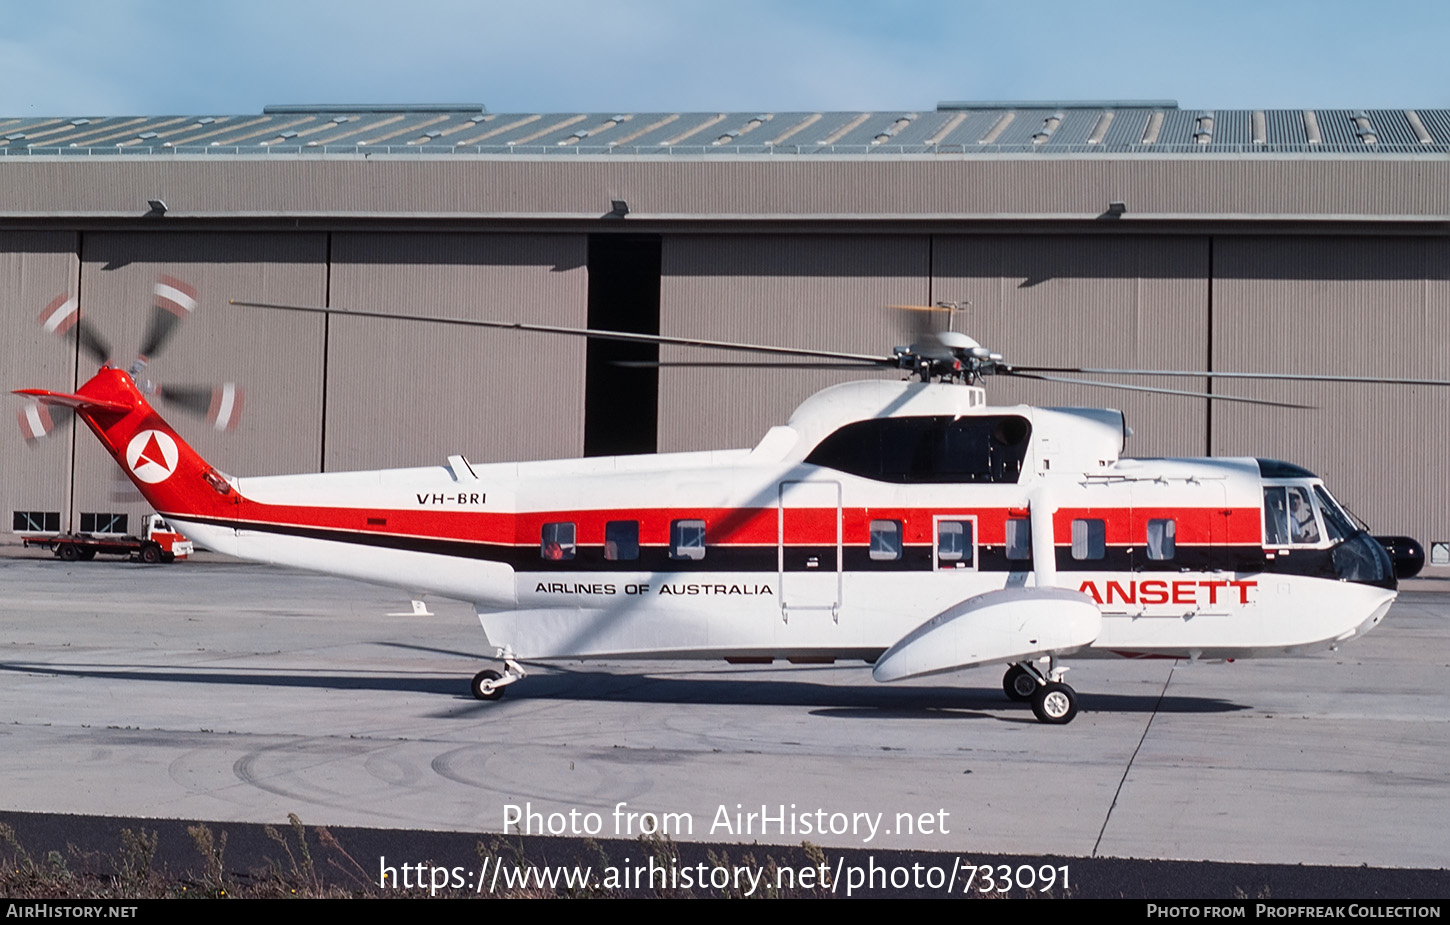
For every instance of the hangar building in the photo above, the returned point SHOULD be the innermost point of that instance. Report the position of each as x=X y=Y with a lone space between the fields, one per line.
x=1104 y=234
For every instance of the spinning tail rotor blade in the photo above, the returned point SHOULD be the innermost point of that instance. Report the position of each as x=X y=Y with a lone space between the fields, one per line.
x=62 y=317
x=37 y=420
x=221 y=405
x=175 y=301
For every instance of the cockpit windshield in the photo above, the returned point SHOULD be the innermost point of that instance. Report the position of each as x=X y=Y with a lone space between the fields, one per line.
x=1337 y=521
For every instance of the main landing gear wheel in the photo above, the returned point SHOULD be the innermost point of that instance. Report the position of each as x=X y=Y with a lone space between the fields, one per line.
x=486 y=686
x=1019 y=684
x=1055 y=703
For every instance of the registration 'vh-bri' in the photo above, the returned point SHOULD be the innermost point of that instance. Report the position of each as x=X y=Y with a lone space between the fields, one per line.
x=906 y=524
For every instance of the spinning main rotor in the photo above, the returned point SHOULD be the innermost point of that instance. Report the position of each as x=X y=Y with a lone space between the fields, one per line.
x=933 y=356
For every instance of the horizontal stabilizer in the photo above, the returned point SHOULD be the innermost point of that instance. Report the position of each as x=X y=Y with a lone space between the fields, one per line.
x=78 y=402
x=1011 y=625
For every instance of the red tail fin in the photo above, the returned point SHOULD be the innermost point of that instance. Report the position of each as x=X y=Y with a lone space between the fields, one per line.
x=169 y=474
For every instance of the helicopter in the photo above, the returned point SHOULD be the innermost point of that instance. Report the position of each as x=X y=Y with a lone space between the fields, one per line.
x=908 y=525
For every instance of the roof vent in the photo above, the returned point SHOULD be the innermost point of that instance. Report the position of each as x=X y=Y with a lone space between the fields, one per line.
x=888 y=134
x=1363 y=128
x=206 y=120
x=80 y=122
x=145 y=135
x=1203 y=134
x=1049 y=125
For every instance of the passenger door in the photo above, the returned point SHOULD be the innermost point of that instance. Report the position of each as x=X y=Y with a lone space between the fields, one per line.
x=809 y=547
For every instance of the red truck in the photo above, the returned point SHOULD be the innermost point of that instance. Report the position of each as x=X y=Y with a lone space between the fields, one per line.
x=160 y=544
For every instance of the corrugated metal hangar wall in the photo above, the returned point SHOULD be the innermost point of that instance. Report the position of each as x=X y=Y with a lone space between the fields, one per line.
x=1277 y=265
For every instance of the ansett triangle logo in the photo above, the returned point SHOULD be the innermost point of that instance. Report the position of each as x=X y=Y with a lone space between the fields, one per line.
x=151 y=456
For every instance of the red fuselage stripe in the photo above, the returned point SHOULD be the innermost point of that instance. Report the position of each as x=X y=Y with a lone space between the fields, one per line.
x=755 y=526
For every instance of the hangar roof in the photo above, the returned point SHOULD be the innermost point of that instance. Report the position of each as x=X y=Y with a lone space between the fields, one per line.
x=1073 y=128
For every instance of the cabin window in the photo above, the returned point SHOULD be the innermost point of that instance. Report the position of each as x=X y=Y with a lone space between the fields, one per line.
x=1162 y=539
x=1019 y=538
x=1089 y=539
x=556 y=542
x=929 y=449
x=885 y=540
x=621 y=540
x=687 y=539
x=954 y=542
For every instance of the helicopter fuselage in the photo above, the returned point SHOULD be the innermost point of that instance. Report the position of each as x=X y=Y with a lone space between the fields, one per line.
x=877 y=507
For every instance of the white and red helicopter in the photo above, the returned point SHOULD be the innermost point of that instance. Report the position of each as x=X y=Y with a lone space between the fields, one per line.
x=907 y=524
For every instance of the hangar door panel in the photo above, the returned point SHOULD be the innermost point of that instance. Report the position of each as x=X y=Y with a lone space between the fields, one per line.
x=34 y=268
x=410 y=393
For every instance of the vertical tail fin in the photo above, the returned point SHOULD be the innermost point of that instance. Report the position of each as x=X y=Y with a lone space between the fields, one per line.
x=173 y=477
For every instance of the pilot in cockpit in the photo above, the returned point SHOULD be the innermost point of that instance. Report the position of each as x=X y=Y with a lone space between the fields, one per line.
x=1302 y=525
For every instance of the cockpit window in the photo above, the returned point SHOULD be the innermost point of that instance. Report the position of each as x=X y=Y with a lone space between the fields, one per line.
x=1303 y=528
x=938 y=448
x=1289 y=516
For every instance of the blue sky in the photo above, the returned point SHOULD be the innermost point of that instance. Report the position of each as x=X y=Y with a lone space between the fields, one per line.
x=151 y=57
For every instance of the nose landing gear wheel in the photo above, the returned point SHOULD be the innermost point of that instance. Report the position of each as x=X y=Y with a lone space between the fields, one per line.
x=1055 y=703
x=1018 y=684
x=486 y=686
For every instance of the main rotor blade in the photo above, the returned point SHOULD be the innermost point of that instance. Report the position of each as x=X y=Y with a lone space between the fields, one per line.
x=923 y=308
x=1286 y=377
x=595 y=333
x=175 y=301
x=1149 y=388
x=725 y=364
